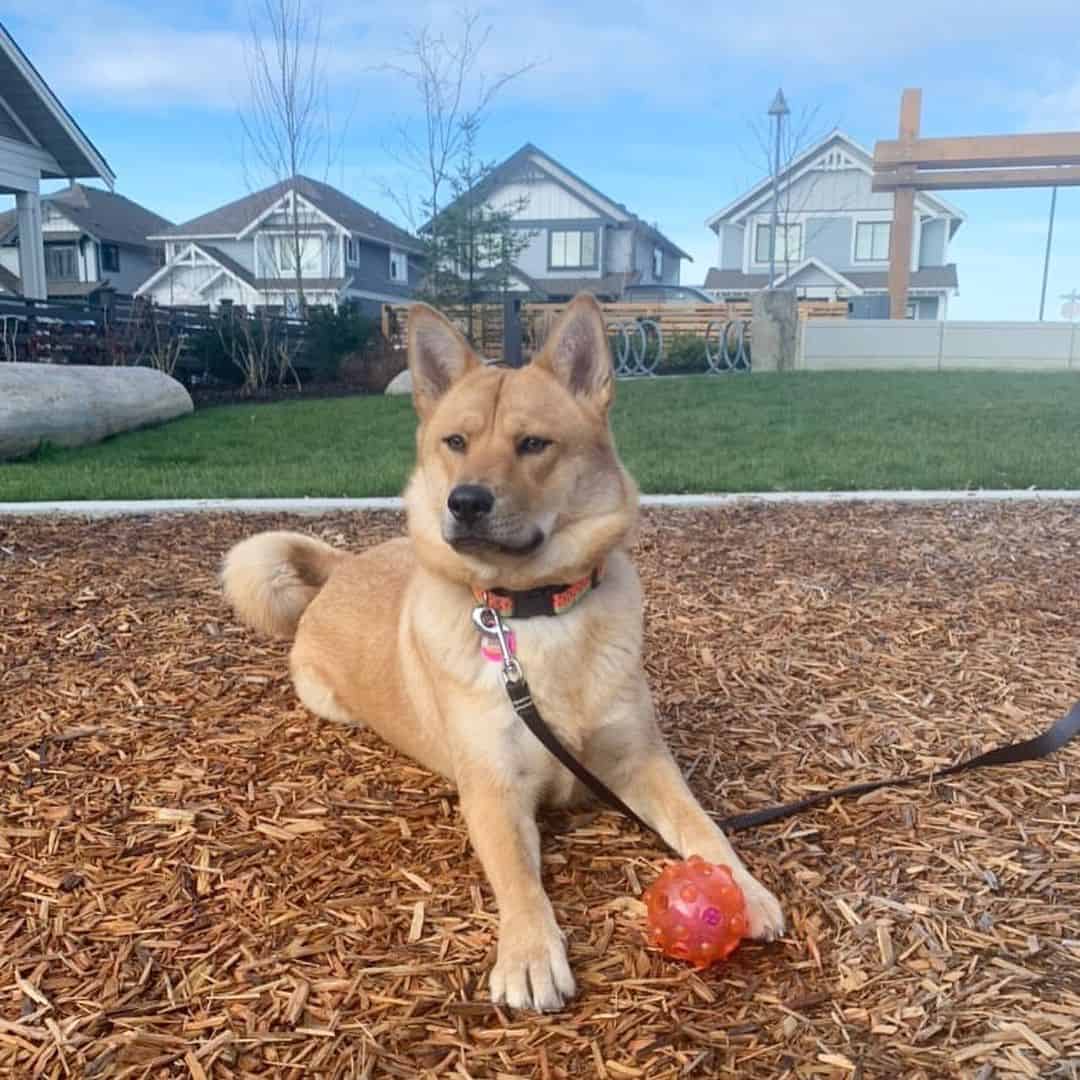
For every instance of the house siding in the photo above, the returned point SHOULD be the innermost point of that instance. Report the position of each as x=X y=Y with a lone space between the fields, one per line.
x=242 y=251
x=932 y=249
x=829 y=239
x=732 y=238
x=135 y=268
x=534 y=260
x=643 y=251
x=540 y=200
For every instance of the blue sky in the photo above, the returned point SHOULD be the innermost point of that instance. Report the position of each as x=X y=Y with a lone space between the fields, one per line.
x=652 y=101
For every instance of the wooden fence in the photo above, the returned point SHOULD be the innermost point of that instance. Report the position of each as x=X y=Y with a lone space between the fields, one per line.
x=537 y=319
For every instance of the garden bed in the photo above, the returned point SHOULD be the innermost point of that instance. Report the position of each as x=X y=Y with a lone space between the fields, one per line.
x=198 y=878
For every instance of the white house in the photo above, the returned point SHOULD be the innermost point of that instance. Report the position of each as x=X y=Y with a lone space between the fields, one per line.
x=579 y=239
x=39 y=139
x=245 y=253
x=833 y=236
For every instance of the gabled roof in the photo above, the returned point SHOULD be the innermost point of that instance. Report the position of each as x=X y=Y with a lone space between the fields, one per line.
x=530 y=155
x=109 y=217
x=242 y=274
x=835 y=276
x=39 y=115
x=233 y=218
x=859 y=157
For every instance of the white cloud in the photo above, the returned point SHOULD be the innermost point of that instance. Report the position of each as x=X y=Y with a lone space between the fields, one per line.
x=1056 y=108
x=665 y=51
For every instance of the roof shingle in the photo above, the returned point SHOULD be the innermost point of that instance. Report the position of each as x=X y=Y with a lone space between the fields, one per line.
x=232 y=218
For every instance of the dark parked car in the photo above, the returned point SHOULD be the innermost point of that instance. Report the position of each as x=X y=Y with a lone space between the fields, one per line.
x=666 y=294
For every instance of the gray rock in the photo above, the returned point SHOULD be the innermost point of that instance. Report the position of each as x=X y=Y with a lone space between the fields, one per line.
x=72 y=405
x=400 y=384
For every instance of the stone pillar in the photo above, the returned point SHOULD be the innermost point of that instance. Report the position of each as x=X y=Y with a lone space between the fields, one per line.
x=774 y=333
x=31 y=246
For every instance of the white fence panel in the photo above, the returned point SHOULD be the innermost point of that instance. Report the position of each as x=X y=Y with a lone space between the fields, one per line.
x=1007 y=346
x=912 y=345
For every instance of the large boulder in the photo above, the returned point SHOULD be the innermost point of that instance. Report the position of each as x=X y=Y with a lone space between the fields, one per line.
x=71 y=405
x=400 y=383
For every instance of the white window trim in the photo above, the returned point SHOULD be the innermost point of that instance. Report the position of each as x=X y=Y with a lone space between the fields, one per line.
x=855 y=224
x=766 y=222
x=404 y=257
x=280 y=272
x=582 y=232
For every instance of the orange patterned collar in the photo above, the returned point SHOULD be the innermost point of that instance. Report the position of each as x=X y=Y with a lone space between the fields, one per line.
x=545 y=600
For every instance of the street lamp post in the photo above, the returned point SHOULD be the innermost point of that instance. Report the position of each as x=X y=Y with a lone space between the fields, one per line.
x=779 y=109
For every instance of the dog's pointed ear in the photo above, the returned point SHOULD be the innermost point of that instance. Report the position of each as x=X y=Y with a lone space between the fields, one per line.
x=438 y=356
x=578 y=354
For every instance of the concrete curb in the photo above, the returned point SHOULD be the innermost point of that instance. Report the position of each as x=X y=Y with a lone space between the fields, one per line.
x=119 y=508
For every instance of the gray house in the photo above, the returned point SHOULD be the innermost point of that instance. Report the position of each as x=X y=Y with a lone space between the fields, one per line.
x=245 y=253
x=833 y=235
x=93 y=240
x=579 y=238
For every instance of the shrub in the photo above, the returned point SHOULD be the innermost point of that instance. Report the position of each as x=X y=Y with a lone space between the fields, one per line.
x=333 y=335
x=683 y=354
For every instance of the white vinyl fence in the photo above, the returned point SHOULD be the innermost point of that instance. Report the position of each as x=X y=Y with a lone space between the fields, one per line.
x=928 y=345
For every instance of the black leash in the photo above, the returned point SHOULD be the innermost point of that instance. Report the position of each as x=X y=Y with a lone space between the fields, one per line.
x=517 y=689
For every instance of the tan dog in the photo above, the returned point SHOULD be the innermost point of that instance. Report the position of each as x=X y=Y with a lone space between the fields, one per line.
x=517 y=485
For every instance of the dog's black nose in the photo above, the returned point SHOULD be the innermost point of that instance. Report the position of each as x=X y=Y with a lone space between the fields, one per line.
x=470 y=502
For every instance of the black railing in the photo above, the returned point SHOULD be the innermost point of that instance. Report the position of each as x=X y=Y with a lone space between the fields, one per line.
x=127 y=331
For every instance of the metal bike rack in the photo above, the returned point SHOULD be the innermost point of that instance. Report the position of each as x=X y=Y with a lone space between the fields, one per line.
x=633 y=355
x=727 y=351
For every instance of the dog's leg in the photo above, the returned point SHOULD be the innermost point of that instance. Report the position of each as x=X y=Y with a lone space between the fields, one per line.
x=642 y=772
x=531 y=971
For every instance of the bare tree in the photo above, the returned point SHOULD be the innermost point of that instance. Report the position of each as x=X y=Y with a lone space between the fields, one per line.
x=796 y=137
x=454 y=95
x=287 y=125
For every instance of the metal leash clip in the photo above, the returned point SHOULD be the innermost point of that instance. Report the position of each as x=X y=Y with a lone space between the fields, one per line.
x=488 y=622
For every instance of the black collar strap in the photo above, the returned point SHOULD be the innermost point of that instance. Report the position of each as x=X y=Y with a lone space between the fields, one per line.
x=545 y=600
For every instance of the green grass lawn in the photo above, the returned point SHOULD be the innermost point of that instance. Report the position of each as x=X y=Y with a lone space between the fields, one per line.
x=702 y=434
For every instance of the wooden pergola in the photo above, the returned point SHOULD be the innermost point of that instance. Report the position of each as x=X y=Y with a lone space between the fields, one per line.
x=909 y=164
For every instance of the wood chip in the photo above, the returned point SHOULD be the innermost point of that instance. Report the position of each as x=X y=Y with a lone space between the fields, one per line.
x=202 y=879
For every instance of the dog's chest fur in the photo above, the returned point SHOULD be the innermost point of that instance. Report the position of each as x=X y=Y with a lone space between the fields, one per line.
x=582 y=667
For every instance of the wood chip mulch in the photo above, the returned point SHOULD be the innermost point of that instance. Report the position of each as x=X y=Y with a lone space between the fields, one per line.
x=199 y=879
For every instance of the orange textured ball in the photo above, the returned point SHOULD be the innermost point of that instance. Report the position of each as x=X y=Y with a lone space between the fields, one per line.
x=696 y=912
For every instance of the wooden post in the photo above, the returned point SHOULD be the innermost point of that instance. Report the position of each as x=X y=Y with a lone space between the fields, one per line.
x=903 y=211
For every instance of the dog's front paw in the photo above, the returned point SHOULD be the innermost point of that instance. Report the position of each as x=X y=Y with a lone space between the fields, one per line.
x=532 y=971
x=763 y=910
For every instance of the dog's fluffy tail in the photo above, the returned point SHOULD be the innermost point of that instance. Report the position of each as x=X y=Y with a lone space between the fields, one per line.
x=271 y=577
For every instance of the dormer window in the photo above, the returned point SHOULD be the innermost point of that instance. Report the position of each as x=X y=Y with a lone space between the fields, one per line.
x=399 y=266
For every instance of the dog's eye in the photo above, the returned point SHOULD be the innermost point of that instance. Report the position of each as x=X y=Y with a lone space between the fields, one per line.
x=533 y=444
x=455 y=443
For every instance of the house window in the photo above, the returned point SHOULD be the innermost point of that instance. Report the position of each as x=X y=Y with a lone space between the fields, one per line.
x=788 y=243
x=61 y=263
x=872 y=241
x=352 y=251
x=110 y=258
x=657 y=264
x=283 y=255
x=399 y=266
x=572 y=249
